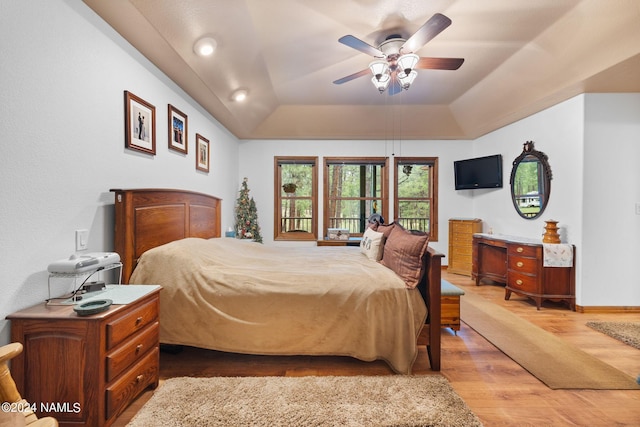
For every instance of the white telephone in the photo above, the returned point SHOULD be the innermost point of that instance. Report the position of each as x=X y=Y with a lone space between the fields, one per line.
x=76 y=264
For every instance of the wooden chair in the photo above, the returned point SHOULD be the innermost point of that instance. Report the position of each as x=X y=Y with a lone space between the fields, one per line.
x=9 y=394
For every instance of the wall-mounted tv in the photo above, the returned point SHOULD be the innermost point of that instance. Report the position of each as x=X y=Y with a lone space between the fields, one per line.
x=479 y=172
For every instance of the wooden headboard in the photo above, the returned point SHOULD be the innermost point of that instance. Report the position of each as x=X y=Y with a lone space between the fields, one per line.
x=150 y=217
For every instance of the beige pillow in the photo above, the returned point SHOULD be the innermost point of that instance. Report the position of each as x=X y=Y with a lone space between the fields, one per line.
x=403 y=252
x=371 y=244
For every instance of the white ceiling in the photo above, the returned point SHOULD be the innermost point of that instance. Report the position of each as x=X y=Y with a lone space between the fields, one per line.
x=521 y=56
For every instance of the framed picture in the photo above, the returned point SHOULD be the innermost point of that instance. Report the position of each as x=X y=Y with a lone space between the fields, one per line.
x=140 y=124
x=202 y=153
x=177 y=130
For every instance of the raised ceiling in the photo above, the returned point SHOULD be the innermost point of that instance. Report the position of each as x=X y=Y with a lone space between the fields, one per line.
x=521 y=56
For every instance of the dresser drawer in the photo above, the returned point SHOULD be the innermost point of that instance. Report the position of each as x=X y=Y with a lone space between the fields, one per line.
x=119 y=329
x=523 y=264
x=522 y=282
x=524 y=250
x=463 y=227
x=126 y=389
x=132 y=351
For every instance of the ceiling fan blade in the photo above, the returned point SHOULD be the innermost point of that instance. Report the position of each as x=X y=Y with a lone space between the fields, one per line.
x=358 y=44
x=434 y=26
x=352 y=77
x=439 y=63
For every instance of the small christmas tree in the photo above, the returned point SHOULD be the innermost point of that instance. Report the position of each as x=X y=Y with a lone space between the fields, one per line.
x=247 y=216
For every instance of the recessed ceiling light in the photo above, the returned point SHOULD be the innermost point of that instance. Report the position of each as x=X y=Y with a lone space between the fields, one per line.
x=239 y=95
x=205 y=46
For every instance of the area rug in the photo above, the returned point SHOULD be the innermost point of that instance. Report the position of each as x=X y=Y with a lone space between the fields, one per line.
x=398 y=400
x=627 y=332
x=556 y=363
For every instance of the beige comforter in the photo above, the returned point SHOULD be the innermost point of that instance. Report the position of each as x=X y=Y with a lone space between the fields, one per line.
x=239 y=296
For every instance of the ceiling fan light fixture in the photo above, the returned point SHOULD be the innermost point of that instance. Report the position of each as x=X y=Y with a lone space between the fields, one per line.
x=407 y=79
x=407 y=62
x=205 y=46
x=379 y=69
x=382 y=83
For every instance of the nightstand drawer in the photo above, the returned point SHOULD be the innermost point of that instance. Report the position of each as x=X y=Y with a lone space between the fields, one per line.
x=125 y=390
x=522 y=282
x=523 y=264
x=118 y=330
x=523 y=250
x=132 y=351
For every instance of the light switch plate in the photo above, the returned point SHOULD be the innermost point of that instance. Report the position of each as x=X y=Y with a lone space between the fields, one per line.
x=82 y=239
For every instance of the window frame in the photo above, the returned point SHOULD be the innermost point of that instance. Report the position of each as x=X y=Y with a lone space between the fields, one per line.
x=433 y=178
x=384 y=189
x=277 y=209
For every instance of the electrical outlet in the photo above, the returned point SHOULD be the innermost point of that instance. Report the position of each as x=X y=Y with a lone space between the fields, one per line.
x=82 y=237
x=637 y=208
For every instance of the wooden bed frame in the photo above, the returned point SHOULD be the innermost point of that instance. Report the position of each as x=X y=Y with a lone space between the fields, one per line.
x=146 y=218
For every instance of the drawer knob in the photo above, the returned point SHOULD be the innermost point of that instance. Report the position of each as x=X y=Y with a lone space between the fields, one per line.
x=139 y=378
x=138 y=321
x=138 y=348
x=518 y=282
x=520 y=263
x=520 y=249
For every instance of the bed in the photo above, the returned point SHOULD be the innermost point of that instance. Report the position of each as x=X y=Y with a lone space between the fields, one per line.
x=238 y=296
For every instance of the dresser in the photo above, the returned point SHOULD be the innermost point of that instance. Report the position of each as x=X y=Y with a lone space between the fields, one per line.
x=85 y=370
x=518 y=262
x=461 y=231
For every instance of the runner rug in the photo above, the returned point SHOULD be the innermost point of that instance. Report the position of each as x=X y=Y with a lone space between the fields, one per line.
x=397 y=400
x=556 y=363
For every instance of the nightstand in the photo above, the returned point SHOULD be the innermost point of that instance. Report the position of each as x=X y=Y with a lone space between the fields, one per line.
x=85 y=370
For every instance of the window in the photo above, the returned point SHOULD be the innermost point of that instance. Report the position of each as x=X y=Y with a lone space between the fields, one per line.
x=296 y=201
x=354 y=188
x=416 y=194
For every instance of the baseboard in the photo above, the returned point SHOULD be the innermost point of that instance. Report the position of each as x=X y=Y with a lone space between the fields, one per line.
x=607 y=309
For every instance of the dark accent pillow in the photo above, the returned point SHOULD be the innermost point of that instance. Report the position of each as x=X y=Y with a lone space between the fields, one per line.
x=385 y=228
x=403 y=252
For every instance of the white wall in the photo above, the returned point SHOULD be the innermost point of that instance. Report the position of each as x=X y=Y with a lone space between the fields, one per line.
x=63 y=73
x=611 y=230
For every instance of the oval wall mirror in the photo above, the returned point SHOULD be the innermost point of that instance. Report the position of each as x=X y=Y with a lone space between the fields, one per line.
x=530 y=182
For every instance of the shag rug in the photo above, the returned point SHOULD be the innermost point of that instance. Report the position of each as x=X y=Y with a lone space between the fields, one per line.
x=398 y=400
x=553 y=361
x=627 y=332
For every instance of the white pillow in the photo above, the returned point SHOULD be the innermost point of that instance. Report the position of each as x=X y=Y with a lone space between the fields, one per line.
x=371 y=244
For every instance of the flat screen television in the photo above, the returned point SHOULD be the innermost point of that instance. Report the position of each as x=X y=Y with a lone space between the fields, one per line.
x=479 y=172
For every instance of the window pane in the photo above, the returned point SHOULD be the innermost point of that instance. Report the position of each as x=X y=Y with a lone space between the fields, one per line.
x=414 y=214
x=355 y=180
x=296 y=198
x=352 y=214
x=300 y=176
x=413 y=181
x=355 y=192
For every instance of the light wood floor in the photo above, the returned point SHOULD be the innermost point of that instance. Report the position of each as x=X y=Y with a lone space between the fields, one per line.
x=498 y=390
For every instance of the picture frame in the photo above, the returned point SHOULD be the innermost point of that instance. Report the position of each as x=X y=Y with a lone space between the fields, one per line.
x=178 y=130
x=202 y=153
x=140 y=124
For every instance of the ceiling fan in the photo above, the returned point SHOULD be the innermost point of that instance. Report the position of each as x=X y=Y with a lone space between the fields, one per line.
x=395 y=63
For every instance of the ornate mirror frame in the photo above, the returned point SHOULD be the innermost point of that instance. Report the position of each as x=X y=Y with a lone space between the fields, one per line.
x=529 y=201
